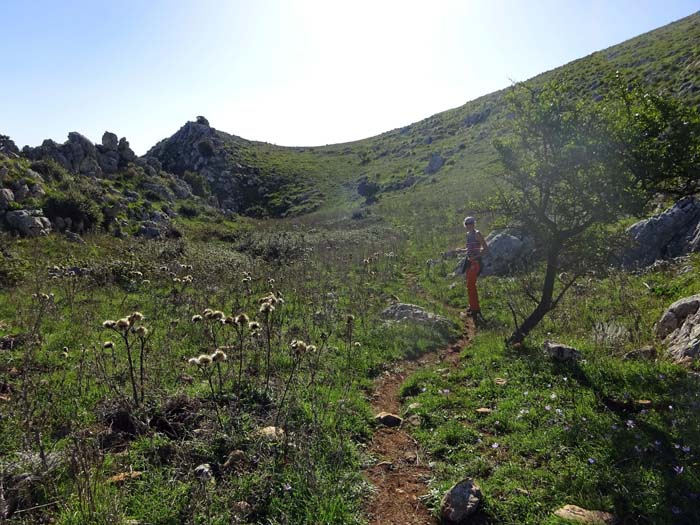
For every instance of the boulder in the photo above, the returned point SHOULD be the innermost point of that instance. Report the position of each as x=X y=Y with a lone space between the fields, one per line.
x=7 y=197
x=149 y=230
x=679 y=327
x=126 y=154
x=460 y=502
x=74 y=237
x=508 y=251
x=670 y=234
x=29 y=223
x=404 y=312
x=561 y=352
x=574 y=514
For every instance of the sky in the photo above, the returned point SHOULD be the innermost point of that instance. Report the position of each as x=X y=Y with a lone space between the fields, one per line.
x=289 y=72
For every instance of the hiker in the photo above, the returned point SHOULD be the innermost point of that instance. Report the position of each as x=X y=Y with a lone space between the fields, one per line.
x=476 y=248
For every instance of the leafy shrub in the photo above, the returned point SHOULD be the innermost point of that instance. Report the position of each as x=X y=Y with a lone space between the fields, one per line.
x=205 y=148
x=49 y=169
x=188 y=210
x=77 y=206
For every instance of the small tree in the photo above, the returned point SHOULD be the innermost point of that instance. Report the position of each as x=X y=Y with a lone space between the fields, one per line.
x=562 y=185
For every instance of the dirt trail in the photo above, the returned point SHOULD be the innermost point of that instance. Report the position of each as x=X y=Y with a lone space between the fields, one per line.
x=401 y=472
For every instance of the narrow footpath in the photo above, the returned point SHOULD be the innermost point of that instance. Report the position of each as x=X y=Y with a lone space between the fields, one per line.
x=401 y=472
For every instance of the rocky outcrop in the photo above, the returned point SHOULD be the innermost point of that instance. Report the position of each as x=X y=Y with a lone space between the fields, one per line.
x=435 y=162
x=574 y=514
x=79 y=155
x=670 y=234
x=679 y=328
x=28 y=223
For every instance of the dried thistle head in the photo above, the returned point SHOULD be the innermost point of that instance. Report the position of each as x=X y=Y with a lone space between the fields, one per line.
x=123 y=323
x=218 y=315
x=242 y=320
x=142 y=331
x=350 y=319
x=219 y=356
x=204 y=360
x=136 y=316
x=298 y=346
x=254 y=326
x=193 y=361
x=108 y=344
x=109 y=324
x=266 y=308
x=196 y=318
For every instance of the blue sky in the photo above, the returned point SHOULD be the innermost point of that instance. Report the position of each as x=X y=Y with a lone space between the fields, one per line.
x=306 y=72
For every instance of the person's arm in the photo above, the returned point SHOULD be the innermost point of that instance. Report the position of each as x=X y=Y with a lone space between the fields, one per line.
x=484 y=246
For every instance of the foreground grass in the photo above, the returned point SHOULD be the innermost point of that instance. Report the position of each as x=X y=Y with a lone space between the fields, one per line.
x=605 y=433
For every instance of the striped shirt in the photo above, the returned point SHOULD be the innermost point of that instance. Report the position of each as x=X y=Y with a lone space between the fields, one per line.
x=473 y=244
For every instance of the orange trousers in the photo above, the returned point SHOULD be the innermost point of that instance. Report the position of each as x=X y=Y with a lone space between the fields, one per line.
x=472 y=274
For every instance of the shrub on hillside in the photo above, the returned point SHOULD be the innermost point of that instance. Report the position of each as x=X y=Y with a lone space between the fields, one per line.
x=197 y=182
x=49 y=169
x=76 y=206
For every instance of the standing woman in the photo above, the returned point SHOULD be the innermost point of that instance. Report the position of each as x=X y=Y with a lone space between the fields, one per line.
x=476 y=248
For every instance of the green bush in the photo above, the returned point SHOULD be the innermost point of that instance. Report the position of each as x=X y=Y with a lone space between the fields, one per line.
x=76 y=206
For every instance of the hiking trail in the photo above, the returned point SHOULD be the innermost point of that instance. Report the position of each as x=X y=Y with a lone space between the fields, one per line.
x=401 y=472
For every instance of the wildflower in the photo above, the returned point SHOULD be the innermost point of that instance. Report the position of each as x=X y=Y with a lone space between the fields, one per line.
x=495 y=445
x=204 y=360
x=219 y=356
x=350 y=318
x=108 y=344
x=357 y=344
x=591 y=461
x=142 y=331
x=547 y=407
x=242 y=320
x=675 y=510
x=196 y=318
x=445 y=391
x=123 y=323
x=630 y=424
x=270 y=281
x=64 y=354
x=311 y=349
x=109 y=324
x=553 y=396
x=685 y=449
x=177 y=280
x=526 y=393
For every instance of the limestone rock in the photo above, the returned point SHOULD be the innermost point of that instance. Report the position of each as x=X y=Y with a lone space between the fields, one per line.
x=6 y=198
x=561 y=352
x=670 y=234
x=388 y=420
x=29 y=223
x=414 y=314
x=679 y=327
x=460 y=502
x=576 y=514
x=110 y=141
x=149 y=230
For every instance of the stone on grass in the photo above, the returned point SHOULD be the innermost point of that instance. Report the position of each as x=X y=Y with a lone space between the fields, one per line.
x=561 y=352
x=404 y=312
x=29 y=223
x=388 y=420
x=575 y=514
x=646 y=352
x=460 y=502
